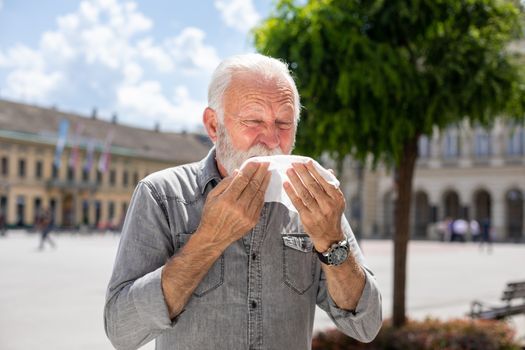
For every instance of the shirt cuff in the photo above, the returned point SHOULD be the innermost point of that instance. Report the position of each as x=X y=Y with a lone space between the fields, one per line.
x=363 y=305
x=148 y=298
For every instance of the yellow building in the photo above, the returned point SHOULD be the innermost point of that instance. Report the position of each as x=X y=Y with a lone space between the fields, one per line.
x=79 y=195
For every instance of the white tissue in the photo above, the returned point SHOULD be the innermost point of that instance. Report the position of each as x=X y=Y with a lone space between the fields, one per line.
x=278 y=166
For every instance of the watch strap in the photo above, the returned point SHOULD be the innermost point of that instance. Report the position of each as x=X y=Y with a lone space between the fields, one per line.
x=324 y=257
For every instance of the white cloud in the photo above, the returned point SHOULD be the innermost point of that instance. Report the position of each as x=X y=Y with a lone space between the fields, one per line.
x=88 y=11
x=104 y=49
x=68 y=22
x=55 y=45
x=238 y=14
x=147 y=100
x=132 y=73
x=156 y=55
x=30 y=84
x=21 y=56
x=188 y=49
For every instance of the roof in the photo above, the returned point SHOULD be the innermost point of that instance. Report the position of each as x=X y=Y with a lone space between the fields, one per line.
x=36 y=124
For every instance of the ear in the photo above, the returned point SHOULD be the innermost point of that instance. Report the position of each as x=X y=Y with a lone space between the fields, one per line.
x=209 y=119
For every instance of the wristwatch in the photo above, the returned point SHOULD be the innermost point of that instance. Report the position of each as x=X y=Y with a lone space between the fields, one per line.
x=336 y=254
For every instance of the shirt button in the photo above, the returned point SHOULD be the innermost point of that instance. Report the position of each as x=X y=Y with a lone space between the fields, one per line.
x=254 y=304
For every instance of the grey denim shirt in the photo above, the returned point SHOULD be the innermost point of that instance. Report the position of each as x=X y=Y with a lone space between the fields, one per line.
x=260 y=294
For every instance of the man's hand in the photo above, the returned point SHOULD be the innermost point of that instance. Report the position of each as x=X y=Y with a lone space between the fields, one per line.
x=231 y=209
x=234 y=206
x=321 y=206
x=319 y=203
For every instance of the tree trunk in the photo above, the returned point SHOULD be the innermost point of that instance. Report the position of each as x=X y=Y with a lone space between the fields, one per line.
x=403 y=181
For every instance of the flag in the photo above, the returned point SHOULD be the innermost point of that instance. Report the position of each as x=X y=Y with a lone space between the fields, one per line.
x=73 y=159
x=61 y=142
x=90 y=151
x=105 y=156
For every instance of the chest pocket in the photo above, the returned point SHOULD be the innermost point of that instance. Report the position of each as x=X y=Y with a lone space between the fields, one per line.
x=298 y=262
x=215 y=276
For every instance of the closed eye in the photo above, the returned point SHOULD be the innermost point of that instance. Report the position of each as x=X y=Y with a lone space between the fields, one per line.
x=252 y=122
x=284 y=125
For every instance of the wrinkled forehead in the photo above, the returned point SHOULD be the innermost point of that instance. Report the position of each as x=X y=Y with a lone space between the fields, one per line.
x=243 y=83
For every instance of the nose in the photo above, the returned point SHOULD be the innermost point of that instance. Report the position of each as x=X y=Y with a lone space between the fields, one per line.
x=270 y=137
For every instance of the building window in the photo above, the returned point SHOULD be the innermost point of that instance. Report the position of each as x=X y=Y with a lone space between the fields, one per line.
x=98 y=213
x=22 y=168
x=54 y=172
x=516 y=142
x=124 y=209
x=70 y=174
x=20 y=210
x=112 y=177
x=451 y=143
x=85 y=212
x=37 y=208
x=482 y=143
x=125 y=178
x=38 y=169
x=85 y=175
x=135 y=178
x=111 y=211
x=424 y=147
x=5 y=166
x=53 y=209
x=3 y=211
x=99 y=177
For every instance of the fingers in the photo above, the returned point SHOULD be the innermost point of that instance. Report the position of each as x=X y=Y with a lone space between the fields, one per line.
x=296 y=200
x=223 y=185
x=306 y=175
x=314 y=191
x=327 y=187
x=255 y=184
x=243 y=178
x=300 y=189
x=258 y=200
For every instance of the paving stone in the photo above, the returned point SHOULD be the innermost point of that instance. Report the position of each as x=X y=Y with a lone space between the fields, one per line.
x=53 y=299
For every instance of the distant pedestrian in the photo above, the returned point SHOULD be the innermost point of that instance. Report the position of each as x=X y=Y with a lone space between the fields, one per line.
x=442 y=230
x=486 y=236
x=474 y=230
x=45 y=225
x=460 y=229
x=2 y=224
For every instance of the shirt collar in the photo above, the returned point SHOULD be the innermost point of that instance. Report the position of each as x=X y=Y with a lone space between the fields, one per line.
x=208 y=171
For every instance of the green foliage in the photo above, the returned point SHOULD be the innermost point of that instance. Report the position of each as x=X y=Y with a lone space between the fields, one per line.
x=430 y=334
x=375 y=74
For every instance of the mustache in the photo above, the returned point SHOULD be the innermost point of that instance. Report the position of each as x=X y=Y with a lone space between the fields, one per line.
x=231 y=158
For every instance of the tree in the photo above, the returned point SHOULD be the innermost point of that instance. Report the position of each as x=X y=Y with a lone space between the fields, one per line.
x=376 y=75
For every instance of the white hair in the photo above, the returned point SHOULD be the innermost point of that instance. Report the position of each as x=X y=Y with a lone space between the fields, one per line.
x=267 y=67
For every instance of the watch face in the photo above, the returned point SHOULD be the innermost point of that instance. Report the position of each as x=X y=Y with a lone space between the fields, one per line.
x=338 y=255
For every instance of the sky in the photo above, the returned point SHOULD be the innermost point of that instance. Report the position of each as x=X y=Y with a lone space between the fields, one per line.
x=147 y=61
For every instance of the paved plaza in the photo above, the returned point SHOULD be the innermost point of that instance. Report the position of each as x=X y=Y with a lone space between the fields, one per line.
x=54 y=299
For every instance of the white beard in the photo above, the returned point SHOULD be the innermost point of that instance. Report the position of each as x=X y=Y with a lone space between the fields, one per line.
x=231 y=158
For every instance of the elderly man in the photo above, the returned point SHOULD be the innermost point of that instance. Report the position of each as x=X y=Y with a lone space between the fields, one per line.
x=204 y=263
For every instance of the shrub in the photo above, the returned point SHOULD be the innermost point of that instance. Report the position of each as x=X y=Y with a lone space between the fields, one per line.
x=430 y=334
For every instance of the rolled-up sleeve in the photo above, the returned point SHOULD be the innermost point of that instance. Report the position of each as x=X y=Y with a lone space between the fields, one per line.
x=364 y=322
x=135 y=311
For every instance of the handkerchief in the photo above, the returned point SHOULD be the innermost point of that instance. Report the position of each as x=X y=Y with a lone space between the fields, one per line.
x=278 y=166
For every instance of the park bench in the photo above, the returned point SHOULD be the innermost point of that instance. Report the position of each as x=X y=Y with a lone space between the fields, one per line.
x=514 y=291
